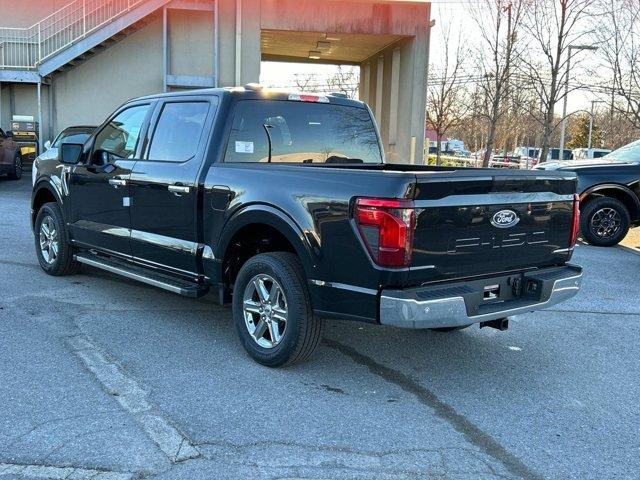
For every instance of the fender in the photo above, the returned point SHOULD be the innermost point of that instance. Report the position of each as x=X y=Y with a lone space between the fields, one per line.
x=268 y=215
x=615 y=186
x=45 y=183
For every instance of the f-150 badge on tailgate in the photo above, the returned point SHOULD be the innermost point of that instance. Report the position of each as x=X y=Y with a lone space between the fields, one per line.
x=504 y=219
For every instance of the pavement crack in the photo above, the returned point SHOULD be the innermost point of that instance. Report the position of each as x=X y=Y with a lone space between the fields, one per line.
x=53 y=472
x=472 y=433
x=133 y=399
x=48 y=423
x=19 y=264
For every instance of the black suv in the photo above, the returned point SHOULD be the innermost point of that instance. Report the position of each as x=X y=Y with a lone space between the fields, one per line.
x=609 y=189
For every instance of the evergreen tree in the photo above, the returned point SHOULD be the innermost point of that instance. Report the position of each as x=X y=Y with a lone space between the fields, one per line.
x=579 y=133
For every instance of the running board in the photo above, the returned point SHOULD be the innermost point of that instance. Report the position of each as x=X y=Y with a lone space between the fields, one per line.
x=144 y=275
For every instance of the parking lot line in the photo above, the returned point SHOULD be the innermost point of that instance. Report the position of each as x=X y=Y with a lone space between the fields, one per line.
x=133 y=398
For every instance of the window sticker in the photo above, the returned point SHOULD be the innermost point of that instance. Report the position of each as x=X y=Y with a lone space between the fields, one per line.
x=244 y=147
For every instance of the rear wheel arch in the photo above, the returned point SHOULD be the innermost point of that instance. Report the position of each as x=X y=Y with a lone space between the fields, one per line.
x=259 y=229
x=620 y=192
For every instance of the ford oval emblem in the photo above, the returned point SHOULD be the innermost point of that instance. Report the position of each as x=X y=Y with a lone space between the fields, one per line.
x=505 y=219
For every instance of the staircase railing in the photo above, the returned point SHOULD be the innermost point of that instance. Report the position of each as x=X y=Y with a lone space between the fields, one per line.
x=25 y=48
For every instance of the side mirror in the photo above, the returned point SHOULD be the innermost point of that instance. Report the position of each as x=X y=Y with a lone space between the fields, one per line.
x=47 y=145
x=70 y=153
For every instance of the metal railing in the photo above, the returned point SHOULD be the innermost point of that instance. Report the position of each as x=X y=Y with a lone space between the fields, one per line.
x=25 y=48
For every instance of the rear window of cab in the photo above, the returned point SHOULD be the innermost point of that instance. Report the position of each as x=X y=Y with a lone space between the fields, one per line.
x=301 y=132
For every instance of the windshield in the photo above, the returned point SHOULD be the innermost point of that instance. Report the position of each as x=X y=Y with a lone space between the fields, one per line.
x=628 y=153
x=70 y=137
x=300 y=132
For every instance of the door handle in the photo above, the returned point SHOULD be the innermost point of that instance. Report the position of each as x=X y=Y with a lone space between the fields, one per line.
x=117 y=182
x=178 y=189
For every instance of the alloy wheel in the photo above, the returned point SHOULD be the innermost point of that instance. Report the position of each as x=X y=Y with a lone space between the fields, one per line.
x=606 y=222
x=49 y=242
x=264 y=308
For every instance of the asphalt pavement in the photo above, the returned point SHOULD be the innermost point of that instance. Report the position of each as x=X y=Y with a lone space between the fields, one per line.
x=106 y=378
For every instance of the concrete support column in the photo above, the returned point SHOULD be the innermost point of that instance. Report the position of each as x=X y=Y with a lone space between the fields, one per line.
x=165 y=48
x=365 y=82
x=394 y=85
x=379 y=88
x=40 y=134
x=395 y=92
x=251 y=29
x=51 y=128
x=238 y=46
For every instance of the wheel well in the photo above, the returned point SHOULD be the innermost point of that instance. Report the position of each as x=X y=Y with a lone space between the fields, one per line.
x=42 y=196
x=251 y=240
x=620 y=195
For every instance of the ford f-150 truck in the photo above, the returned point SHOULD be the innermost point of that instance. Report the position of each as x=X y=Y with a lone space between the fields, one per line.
x=283 y=204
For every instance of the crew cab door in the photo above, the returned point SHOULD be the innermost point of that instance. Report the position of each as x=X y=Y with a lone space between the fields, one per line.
x=164 y=187
x=99 y=188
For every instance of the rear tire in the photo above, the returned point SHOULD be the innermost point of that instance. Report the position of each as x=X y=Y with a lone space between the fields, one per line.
x=16 y=173
x=53 y=250
x=271 y=287
x=604 y=221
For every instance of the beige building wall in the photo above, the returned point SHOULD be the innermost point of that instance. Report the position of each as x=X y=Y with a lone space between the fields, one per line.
x=191 y=42
x=86 y=94
x=393 y=80
x=23 y=14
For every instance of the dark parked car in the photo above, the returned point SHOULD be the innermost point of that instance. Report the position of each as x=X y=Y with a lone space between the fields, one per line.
x=609 y=190
x=284 y=205
x=10 y=159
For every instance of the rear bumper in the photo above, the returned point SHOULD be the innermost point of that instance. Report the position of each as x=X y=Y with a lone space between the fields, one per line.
x=462 y=303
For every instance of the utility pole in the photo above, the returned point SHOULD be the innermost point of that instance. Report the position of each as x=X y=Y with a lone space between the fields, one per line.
x=593 y=102
x=563 y=124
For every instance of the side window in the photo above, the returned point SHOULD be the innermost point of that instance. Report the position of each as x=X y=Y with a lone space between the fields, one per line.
x=178 y=131
x=121 y=134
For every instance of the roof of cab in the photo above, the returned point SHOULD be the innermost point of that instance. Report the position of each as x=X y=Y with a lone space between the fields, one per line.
x=255 y=92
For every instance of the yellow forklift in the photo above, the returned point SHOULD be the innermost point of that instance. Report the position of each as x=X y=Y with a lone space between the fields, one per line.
x=25 y=134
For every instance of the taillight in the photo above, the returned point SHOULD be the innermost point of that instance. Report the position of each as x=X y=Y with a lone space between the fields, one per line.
x=575 y=226
x=386 y=227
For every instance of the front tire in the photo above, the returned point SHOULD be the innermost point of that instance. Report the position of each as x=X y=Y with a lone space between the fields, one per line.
x=604 y=221
x=16 y=173
x=53 y=250
x=272 y=310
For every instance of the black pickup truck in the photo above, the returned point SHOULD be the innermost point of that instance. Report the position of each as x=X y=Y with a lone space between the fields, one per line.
x=284 y=205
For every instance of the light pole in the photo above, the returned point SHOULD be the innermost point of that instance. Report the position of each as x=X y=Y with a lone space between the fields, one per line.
x=593 y=102
x=563 y=124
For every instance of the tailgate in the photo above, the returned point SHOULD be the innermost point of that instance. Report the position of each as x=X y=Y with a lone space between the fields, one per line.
x=472 y=225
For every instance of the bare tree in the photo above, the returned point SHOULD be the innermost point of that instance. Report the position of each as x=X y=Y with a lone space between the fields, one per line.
x=344 y=80
x=446 y=106
x=305 y=82
x=618 y=35
x=499 y=22
x=553 y=27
